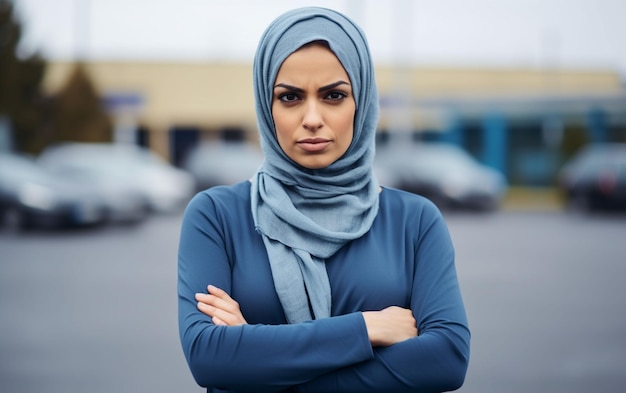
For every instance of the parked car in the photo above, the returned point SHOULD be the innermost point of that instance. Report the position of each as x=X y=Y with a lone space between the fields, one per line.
x=162 y=186
x=31 y=197
x=123 y=204
x=222 y=163
x=444 y=173
x=595 y=178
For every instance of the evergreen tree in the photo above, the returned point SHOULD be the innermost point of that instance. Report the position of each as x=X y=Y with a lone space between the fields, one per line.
x=74 y=114
x=78 y=112
x=21 y=99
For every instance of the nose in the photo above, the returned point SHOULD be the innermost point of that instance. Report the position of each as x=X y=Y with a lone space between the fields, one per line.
x=313 y=119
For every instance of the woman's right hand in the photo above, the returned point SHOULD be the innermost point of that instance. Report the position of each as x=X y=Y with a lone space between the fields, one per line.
x=390 y=325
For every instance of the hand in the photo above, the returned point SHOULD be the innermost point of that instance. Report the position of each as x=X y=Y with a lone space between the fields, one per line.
x=390 y=325
x=222 y=309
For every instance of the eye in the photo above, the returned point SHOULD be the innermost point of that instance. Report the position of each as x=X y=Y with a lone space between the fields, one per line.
x=288 y=97
x=336 y=95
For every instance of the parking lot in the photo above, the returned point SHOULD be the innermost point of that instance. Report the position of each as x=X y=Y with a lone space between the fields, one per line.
x=95 y=309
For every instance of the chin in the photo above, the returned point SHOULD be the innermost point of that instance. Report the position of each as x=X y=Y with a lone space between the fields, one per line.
x=314 y=164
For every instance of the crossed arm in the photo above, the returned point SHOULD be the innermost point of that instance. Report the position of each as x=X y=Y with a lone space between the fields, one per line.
x=384 y=328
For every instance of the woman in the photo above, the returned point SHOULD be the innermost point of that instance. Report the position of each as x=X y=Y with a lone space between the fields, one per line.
x=310 y=277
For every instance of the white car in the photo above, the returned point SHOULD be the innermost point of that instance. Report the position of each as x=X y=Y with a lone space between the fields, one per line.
x=31 y=197
x=161 y=186
x=222 y=163
x=444 y=173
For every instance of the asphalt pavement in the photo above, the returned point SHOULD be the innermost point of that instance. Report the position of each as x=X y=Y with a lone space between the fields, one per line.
x=95 y=310
x=544 y=293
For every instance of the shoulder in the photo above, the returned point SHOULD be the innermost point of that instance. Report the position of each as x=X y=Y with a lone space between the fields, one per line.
x=221 y=201
x=408 y=212
x=223 y=195
x=413 y=217
x=403 y=203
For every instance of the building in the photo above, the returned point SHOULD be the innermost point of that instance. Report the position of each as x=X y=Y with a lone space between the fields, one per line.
x=524 y=122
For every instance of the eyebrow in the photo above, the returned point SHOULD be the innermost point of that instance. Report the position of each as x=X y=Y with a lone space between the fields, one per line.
x=321 y=89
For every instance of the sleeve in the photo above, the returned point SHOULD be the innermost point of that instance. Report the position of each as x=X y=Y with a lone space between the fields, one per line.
x=437 y=359
x=259 y=358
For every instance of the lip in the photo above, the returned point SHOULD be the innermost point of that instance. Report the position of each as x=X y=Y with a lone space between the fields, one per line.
x=313 y=145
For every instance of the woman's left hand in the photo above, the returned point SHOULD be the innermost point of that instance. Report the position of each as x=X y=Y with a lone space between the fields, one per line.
x=222 y=309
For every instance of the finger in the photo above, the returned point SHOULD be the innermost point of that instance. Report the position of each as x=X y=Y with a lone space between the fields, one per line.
x=206 y=308
x=213 y=311
x=205 y=298
x=230 y=303
x=220 y=317
x=218 y=304
x=212 y=289
x=227 y=304
x=215 y=291
x=214 y=307
x=218 y=292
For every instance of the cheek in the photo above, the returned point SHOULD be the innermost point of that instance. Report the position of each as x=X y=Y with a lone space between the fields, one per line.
x=282 y=125
x=347 y=127
x=281 y=137
x=347 y=137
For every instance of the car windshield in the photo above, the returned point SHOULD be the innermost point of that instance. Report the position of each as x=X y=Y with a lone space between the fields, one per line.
x=431 y=157
x=599 y=157
x=444 y=156
x=109 y=160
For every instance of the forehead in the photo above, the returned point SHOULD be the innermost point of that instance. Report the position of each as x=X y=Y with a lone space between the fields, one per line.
x=312 y=60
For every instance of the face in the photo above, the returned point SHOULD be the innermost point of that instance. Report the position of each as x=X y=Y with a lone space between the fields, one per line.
x=313 y=107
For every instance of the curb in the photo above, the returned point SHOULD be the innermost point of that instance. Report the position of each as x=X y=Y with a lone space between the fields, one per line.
x=532 y=199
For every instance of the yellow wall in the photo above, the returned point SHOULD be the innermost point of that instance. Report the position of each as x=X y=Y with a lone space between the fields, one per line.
x=215 y=95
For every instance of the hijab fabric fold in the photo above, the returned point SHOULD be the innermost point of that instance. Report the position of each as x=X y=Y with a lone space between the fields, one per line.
x=306 y=215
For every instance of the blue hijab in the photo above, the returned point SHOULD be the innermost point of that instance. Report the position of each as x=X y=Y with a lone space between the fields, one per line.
x=306 y=215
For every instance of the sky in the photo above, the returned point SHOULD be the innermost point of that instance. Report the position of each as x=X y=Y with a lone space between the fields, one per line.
x=571 y=34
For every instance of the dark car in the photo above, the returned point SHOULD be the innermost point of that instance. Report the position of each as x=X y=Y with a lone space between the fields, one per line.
x=595 y=178
x=444 y=173
x=31 y=197
x=222 y=163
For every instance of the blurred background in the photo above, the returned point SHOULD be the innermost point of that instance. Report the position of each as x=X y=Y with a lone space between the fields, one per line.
x=510 y=115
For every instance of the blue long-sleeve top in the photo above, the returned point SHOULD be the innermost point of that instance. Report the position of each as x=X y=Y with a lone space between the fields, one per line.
x=406 y=260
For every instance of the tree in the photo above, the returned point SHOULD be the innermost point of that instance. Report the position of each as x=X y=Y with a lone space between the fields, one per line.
x=73 y=114
x=78 y=114
x=21 y=98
